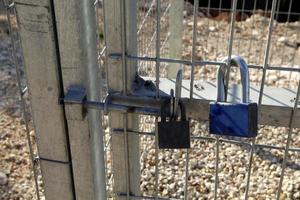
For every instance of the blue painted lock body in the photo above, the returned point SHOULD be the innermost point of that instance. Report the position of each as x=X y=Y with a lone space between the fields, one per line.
x=233 y=119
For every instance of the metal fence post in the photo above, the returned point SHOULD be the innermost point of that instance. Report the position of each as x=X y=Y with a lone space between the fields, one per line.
x=122 y=38
x=175 y=40
x=76 y=35
x=94 y=85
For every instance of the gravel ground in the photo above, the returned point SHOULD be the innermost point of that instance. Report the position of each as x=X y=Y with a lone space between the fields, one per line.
x=14 y=162
x=16 y=179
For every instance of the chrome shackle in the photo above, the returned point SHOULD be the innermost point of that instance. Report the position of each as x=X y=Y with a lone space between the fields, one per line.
x=221 y=78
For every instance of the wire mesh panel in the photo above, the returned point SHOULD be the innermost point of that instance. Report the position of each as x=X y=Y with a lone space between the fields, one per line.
x=266 y=35
x=147 y=32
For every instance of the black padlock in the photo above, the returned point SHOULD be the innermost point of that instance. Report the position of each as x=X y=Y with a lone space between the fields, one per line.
x=173 y=133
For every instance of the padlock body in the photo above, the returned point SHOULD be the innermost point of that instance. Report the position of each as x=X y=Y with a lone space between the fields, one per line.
x=174 y=135
x=233 y=119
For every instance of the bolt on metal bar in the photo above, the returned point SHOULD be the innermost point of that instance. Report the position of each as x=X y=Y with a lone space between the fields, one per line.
x=266 y=58
x=23 y=101
x=121 y=108
x=284 y=163
x=133 y=101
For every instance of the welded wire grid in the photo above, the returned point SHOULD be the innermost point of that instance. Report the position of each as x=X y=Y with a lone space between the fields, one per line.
x=210 y=33
x=219 y=167
x=17 y=62
x=147 y=32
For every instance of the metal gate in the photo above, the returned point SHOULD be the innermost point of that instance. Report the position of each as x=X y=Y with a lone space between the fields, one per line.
x=130 y=67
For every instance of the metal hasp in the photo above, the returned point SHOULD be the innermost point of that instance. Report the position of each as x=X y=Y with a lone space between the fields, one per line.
x=76 y=95
x=233 y=119
x=114 y=102
x=174 y=133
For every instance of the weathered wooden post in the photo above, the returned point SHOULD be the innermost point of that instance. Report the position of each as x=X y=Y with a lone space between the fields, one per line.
x=41 y=60
x=76 y=28
x=59 y=45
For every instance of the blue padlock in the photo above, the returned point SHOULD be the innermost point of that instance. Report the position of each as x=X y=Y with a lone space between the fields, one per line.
x=233 y=119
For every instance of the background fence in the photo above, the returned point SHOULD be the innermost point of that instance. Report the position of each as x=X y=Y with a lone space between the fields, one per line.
x=155 y=38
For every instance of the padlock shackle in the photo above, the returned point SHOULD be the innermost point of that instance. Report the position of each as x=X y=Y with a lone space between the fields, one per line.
x=221 y=74
x=178 y=87
x=165 y=110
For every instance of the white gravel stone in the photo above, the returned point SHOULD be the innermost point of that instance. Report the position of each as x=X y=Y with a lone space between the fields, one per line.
x=3 y=178
x=212 y=29
x=282 y=39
